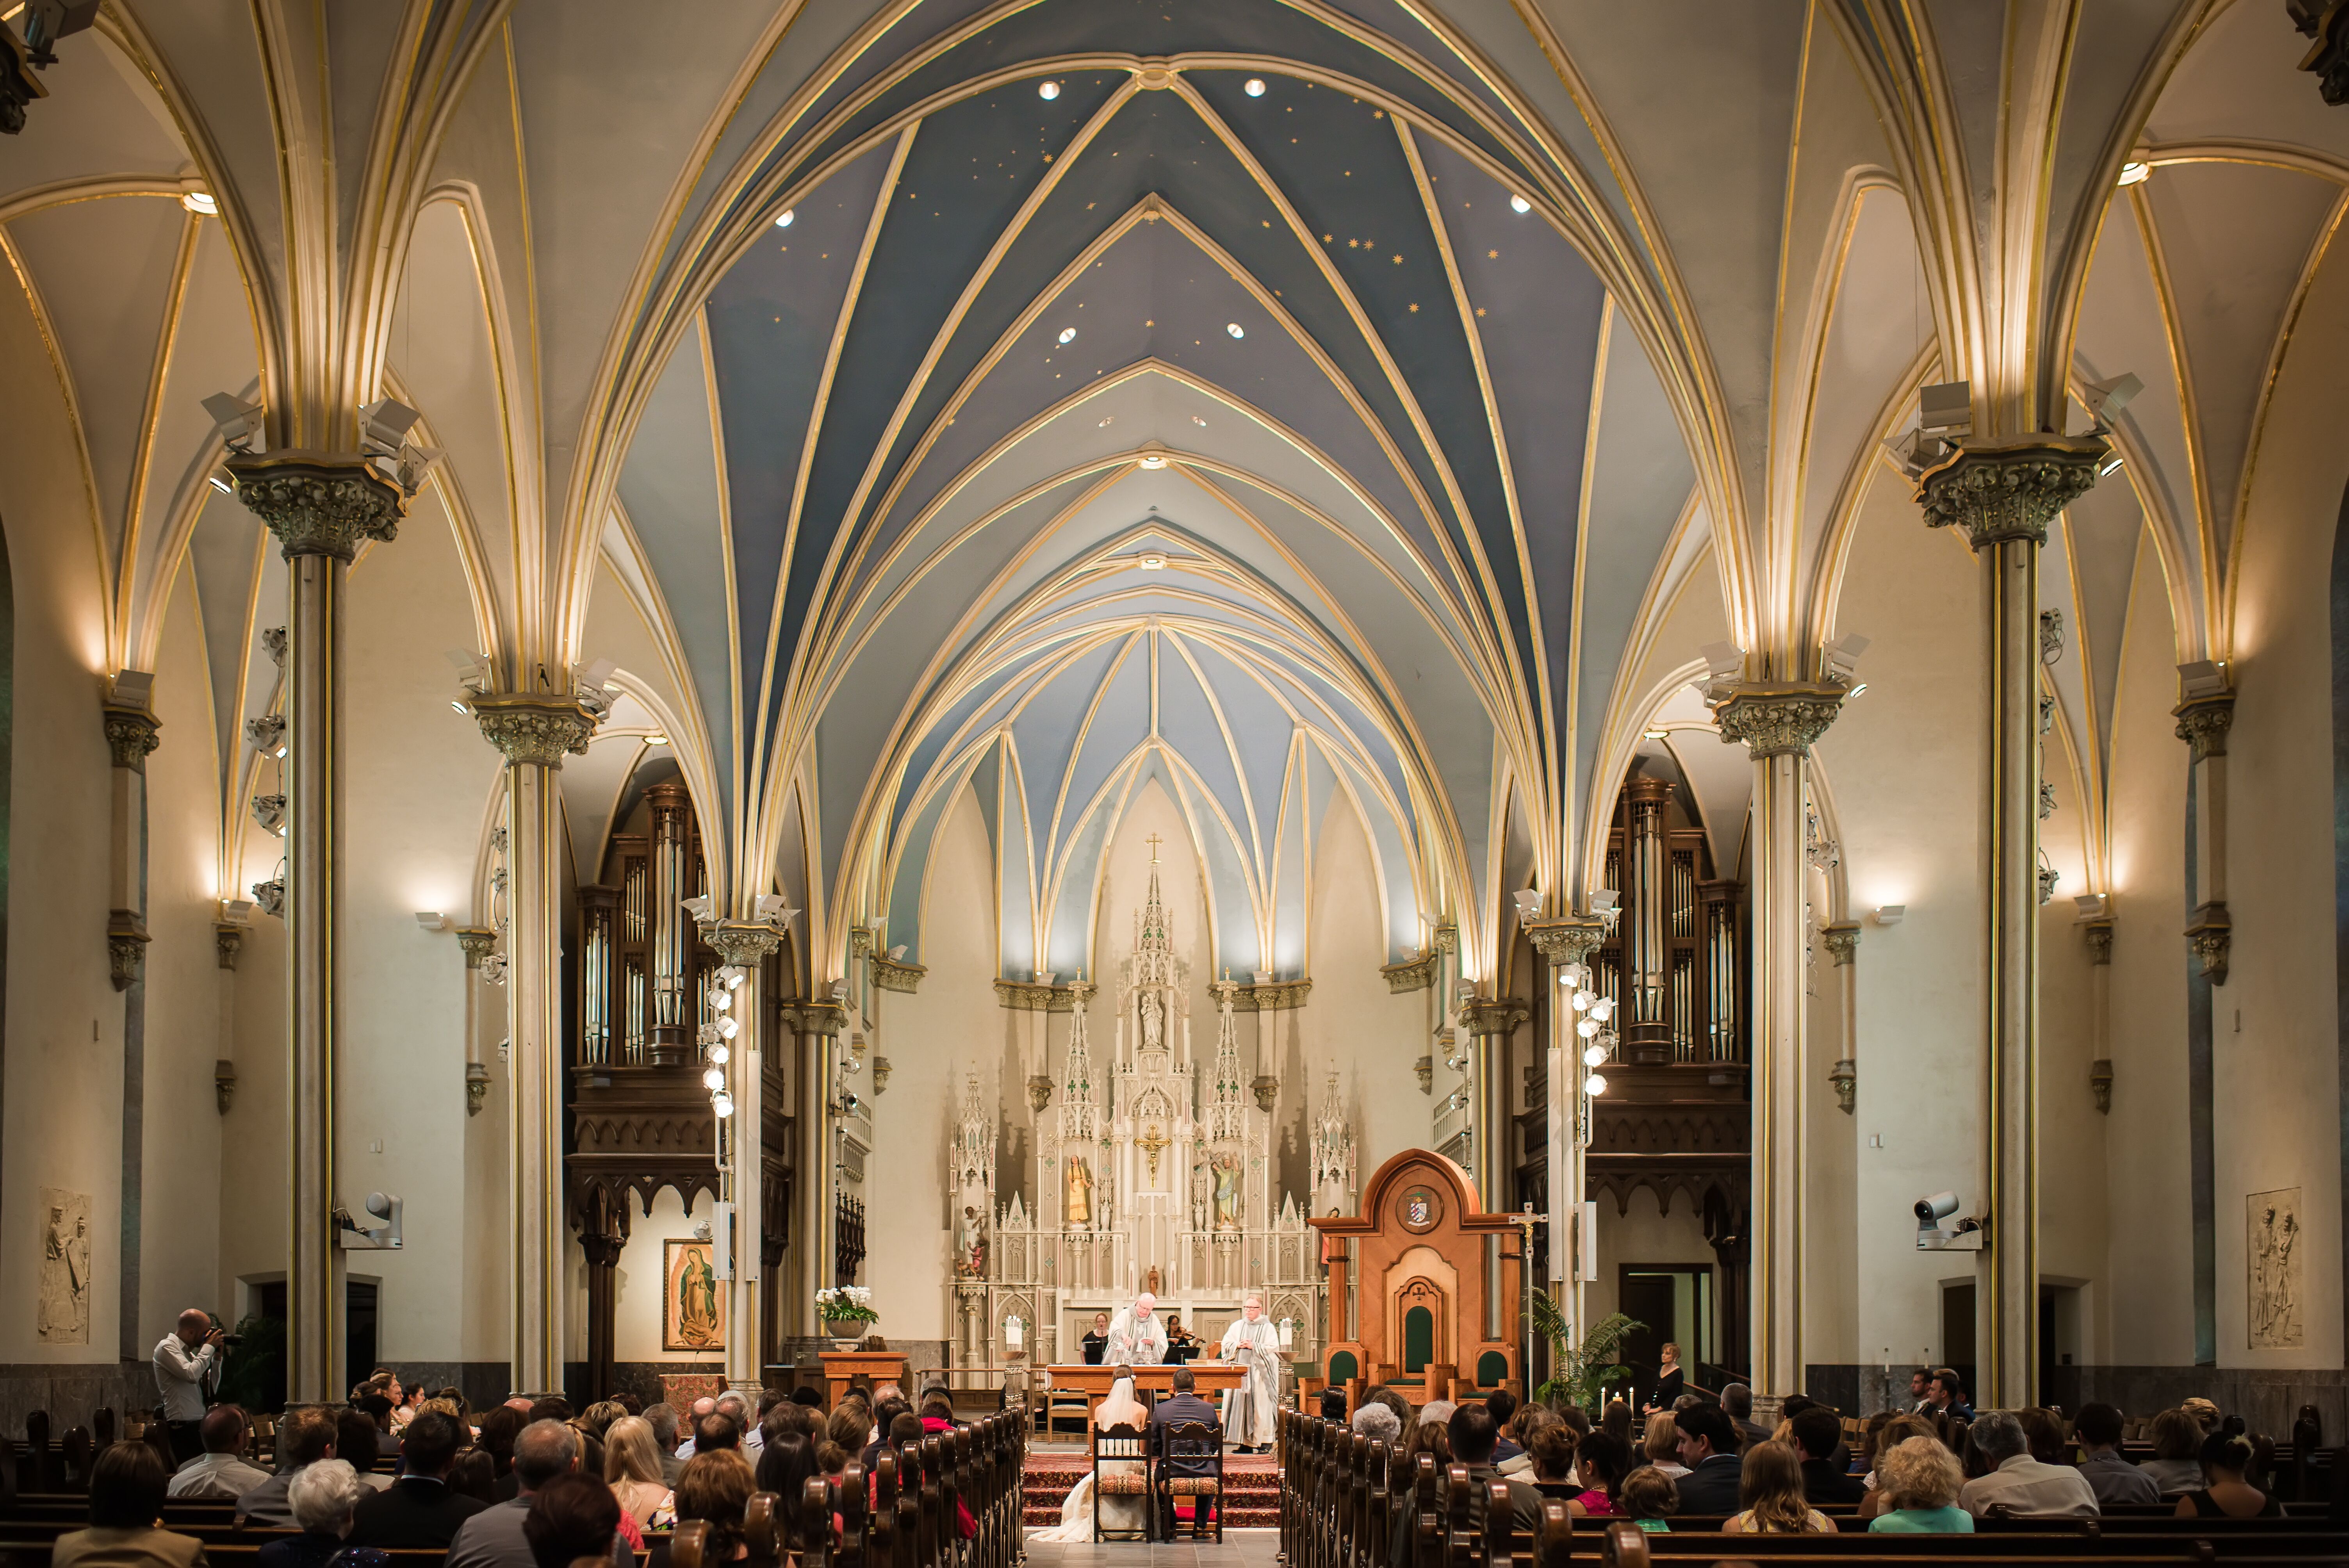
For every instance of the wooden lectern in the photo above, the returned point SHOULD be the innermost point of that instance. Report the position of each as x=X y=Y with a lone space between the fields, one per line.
x=1420 y=1251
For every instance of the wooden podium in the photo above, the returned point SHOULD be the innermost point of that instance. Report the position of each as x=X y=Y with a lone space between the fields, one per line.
x=1419 y=1257
x=842 y=1367
x=1151 y=1384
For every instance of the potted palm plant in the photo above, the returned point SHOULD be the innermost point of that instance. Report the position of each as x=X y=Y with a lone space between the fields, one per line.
x=1581 y=1374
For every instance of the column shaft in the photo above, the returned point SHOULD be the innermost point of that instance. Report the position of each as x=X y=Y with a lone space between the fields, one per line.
x=540 y=1286
x=744 y=945
x=2010 y=1326
x=314 y=1304
x=1778 y=1121
x=816 y=1026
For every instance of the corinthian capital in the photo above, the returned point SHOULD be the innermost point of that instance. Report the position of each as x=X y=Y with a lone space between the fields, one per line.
x=534 y=729
x=1569 y=940
x=816 y=1018
x=743 y=944
x=2009 y=489
x=1779 y=719
x=1494 y=1014
x=131 y=735
x=319 y=504
x=2203 y=723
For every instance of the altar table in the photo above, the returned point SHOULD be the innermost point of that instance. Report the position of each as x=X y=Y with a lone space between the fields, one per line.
x=842 y=1367
x=1150 y=1383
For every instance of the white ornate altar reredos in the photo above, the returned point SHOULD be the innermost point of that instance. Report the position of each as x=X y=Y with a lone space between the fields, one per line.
x=1155 y=1171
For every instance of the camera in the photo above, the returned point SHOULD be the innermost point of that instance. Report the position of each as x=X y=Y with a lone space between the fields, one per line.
x=1934 y=1235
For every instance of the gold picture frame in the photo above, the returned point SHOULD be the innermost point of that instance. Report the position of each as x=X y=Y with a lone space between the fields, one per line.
x=693 y=1307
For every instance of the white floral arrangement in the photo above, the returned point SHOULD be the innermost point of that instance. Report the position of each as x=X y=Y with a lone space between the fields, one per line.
x=847 y=1304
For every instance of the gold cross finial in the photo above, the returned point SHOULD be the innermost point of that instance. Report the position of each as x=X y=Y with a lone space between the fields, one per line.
x=1153 y=842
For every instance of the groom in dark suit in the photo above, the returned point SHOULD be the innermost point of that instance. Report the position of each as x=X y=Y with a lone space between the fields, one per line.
x=1179 y=1408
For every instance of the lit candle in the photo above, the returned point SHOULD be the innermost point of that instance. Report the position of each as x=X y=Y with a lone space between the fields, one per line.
x=1013 y=1334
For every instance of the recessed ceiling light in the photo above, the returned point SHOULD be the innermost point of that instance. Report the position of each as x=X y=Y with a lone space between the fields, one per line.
x=1521 y=204
x=1154 y=460
x=2136 y=173
x=1068 y=334
x=200 y=201
x=1256 y=87
x=1105 y=424
x=1236 y=329
x=1153 y=562
x=784 y=220
x=656 y=740
x=1198 y=421
x=1048 y=91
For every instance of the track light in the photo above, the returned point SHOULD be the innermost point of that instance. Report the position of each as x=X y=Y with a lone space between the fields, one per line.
x=234 y=420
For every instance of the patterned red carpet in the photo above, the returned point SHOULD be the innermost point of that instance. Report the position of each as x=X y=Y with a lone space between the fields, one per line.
x=1251 y=1481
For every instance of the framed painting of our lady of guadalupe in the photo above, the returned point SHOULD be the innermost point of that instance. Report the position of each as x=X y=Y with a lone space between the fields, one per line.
x=693 y=1310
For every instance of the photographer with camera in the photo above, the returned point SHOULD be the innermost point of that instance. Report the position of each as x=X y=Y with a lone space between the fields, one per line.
x=187 y=1367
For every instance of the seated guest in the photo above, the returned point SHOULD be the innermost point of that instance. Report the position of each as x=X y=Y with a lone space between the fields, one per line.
x=306 y=1434
x=1947 y=1394
x=377 y=1408
x=1648 y=1498
x=1817 y=1436
x=1473 y=1435
x=1438 y=1411
x=662 y=1420
x=737 y=1410
x=2176 y=1463
x=474 y=1474
x=1373 y=1420
x=714 y=1432
x=716 y=1487
x=1709 y=1449
x=418 y=1512
x=220 y=1473
x=1528 y=1422
x=1661 y=1445
x=1770 y=1492
x=632 y=1469
x=498 y=1430
x=2204 y=1413
x=323 y=1497
x=1893 y=1433
x=1333 y=1404
x=1382 y=1394
x=702 y=1406
x=357 y=1443
x=1918 y=1478
x=1552 y=1448
x=1616 y=1422
x=808 y=1397
x=786 y=1465
x=2043 y=1433
x=1737 y=1399
x=572 y=1517
x=1601 y=1463
x=597 y=1418
x=2017 y=1482
x=125 y=1498
x=495 y=1538
x=1504 y=1407
x=2228 y=1495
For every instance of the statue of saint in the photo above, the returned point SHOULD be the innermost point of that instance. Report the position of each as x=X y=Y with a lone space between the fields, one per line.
x=1078 y=1207
x=1228 y=1193
x=1154 y=1031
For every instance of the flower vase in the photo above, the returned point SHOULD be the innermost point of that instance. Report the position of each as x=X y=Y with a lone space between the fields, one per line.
x=847 y=1330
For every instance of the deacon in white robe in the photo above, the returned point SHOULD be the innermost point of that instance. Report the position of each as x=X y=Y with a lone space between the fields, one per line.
x=1252 y=1343
x=1137 y=1335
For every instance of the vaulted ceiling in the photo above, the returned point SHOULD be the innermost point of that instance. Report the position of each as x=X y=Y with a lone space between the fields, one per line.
x=1287 y=402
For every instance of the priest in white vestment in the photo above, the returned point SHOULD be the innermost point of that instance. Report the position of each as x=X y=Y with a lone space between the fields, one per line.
x=1137 y=1335
x=1253 y=1344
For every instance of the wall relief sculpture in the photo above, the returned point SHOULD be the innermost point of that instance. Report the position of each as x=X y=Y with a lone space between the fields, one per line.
x=2274 y=1260
x=63 y=1317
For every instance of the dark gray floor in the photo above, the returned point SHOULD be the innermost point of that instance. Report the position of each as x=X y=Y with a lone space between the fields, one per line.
x=1241 y=1548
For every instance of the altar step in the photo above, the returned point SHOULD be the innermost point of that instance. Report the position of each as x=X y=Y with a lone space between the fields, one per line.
x=1251 y=1487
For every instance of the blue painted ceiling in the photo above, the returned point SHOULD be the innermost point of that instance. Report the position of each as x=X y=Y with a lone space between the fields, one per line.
x=1250 y=292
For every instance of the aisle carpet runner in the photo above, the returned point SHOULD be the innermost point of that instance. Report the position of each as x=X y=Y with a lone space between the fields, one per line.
x=1251 y=1485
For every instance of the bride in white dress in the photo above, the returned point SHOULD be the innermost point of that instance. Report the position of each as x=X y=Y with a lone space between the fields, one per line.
x=1118 y=1512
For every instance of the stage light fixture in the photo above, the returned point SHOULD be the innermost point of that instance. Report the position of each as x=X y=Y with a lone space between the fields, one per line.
x=1048 y=91
x=1520 y=204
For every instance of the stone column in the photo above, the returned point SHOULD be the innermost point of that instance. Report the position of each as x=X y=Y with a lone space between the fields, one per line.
x=1842 y=939
x=131 y=735
x=2098 y=930
x=1491 y=1022
x=817 y=1026
x=670 y=1035
x=1647 y=947
x=744 y=945
x=2003 y=492
x=533 y=732
x=321 y=506
x=2203 y=720
x=477 y=942
x=1563 y=943
x=1778 y=723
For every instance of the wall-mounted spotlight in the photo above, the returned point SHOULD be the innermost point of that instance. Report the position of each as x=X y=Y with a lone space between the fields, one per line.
x=432 y=920
x=1890 y=913
x=235 y=421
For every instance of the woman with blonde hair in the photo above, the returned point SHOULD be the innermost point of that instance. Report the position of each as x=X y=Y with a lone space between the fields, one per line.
x=1120 y=1512
x=1918 y=1478
x=1661 y=1445
x=1771 y=1488
x=632 y=1468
